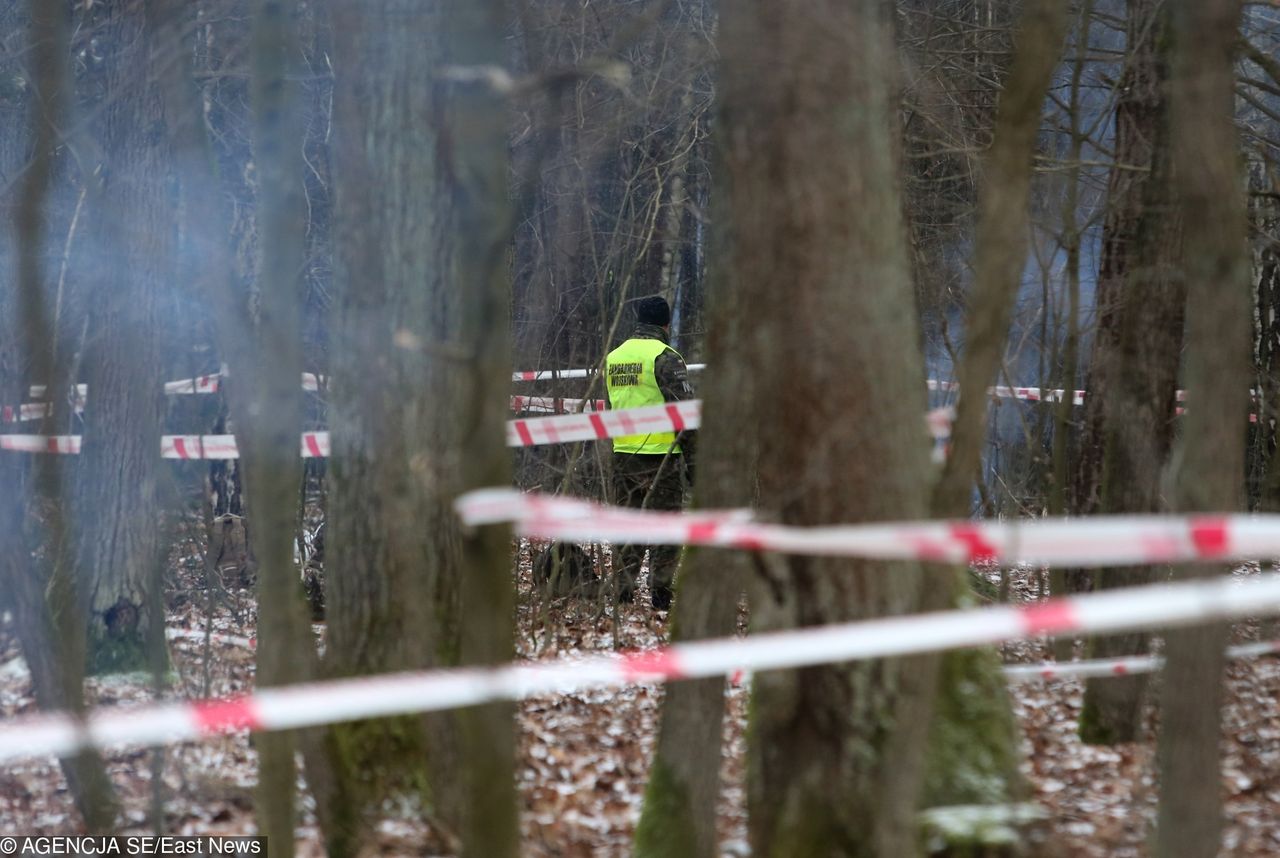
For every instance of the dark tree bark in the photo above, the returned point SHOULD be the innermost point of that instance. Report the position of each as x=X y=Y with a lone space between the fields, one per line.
x=835 y=753
x=1140 y=116
x=1137 y=357
x=1208 y=467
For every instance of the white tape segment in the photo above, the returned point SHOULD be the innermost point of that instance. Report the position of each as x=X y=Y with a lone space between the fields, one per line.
x=1118 y=666
x=1082 y=542
x=306 y=705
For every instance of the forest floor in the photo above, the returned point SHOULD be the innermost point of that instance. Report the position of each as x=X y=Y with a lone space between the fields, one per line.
x=584 y=757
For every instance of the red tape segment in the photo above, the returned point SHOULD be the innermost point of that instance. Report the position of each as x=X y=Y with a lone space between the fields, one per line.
x=1083 y=542
x=290 y=707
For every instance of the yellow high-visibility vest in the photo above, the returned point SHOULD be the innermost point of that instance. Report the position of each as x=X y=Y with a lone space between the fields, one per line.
x=631 y=383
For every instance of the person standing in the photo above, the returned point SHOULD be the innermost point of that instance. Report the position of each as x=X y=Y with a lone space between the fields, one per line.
x=650 y=471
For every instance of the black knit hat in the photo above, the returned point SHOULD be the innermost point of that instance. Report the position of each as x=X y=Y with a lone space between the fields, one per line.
x=653 y=310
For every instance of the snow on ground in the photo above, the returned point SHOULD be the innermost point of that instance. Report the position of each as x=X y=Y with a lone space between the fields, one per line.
x=584 y=757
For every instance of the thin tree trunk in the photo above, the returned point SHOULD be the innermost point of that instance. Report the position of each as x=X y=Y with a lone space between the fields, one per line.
x=1000 y=244
x=1209 y=462
x=835 y=753
x=51 y=621
x=967 y=764
x=475 y=167
x=1064 y=410
x=273 y=402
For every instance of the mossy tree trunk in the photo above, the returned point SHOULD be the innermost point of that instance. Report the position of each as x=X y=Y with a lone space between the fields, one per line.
x=419 y=343
x=973 y=756
x=1208 y=468
x=819 y=257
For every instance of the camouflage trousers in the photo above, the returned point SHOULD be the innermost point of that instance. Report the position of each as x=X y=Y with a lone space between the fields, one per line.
x=656 y=482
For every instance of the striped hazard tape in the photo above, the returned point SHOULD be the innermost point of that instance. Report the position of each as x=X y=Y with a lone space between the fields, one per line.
x=1157 y=606
x=565 y=428
x=313 y=445
x=1083 y=542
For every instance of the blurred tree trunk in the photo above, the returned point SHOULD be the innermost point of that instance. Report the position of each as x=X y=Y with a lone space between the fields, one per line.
x=420 y=377
x=679 y=816
x=50 y=620
x=1137 y=358
x=130 y=240
x=819 y=255
x=260 y=341
x=477 y=173
x=271 y=401
x=1208 y=465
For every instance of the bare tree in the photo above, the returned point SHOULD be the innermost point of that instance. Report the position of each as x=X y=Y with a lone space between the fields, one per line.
x=49 y=605
x=1208 y=465
x=1137 y=347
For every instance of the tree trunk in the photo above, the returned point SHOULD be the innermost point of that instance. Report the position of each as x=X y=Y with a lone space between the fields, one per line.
x=680 y=806
x=1000 y=245
x=475 y=170
x=1140 y=354
x=421 y=322
x=835 y=753
x=1209 y=462
x=51 y=621
x=130 y=230
x=271 y=402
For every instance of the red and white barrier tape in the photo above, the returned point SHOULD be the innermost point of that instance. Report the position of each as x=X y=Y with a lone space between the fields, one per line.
x=196 y=384
x=297 y=706
x=313 y=445
x=588 y=426
x=597 y=425
x=1117 y=666
x=558 y=374
x=556 y=404
x=1082 y=542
